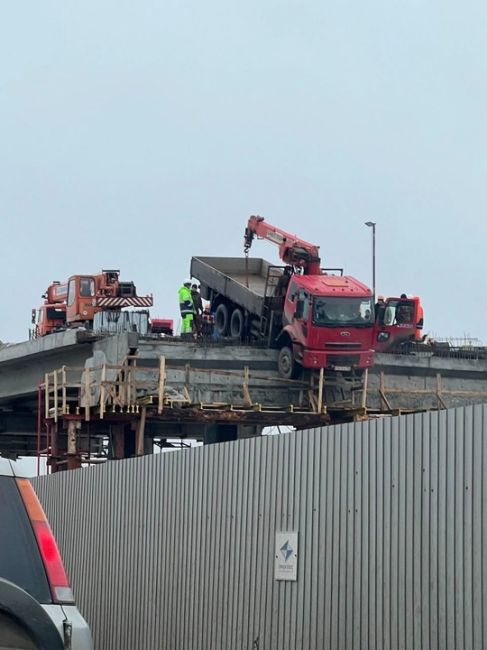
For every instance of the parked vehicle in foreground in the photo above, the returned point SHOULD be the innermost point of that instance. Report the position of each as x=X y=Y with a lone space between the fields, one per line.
x=37 y=608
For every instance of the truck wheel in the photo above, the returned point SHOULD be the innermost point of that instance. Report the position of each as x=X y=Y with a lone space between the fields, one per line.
x=288 y=367
x=237 y=324
x=221 y=319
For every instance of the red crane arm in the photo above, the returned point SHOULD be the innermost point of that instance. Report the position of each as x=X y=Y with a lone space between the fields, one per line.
x=292 y=249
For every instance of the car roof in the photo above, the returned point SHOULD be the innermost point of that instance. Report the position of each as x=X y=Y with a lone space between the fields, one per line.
x=7 y=467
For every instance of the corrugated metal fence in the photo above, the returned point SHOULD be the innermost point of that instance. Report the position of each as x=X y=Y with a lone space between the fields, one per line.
x=176 y=551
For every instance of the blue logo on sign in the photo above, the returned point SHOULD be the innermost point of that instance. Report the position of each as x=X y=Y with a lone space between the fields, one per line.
x=287 y=551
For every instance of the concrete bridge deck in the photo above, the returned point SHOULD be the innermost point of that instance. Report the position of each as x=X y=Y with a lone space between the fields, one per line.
x=241 y=382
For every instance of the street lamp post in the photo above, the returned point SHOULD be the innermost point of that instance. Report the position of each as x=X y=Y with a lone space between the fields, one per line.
x=371 y=224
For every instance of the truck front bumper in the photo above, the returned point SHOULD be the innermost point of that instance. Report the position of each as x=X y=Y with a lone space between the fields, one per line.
x=337 y=360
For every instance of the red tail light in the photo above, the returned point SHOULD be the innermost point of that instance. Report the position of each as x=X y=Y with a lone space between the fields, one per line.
x=56 y=575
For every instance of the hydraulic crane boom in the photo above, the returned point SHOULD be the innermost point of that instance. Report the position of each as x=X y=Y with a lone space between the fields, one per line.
x=292 y=249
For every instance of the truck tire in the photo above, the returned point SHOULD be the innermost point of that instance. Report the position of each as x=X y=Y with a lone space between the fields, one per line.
x=288 y=367
x=237 y=324
x=221 y=319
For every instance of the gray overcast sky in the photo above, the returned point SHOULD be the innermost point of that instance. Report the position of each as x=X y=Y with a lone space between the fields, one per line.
x=136 y=134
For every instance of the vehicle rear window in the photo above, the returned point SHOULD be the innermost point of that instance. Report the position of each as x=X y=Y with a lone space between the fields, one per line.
x=20 y=560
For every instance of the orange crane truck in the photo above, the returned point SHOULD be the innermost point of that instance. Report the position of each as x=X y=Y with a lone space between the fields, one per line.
x=78 y=301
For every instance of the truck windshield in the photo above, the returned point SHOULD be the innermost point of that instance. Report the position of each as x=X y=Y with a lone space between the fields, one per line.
x=343 y=312
x=87 y=287
x=55 y=313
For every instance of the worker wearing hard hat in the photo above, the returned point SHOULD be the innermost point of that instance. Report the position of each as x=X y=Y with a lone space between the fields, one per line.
x=379 y=308
x=186 y=308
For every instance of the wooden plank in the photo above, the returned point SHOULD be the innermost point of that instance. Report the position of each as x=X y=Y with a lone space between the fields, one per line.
x=162 y=383
x=384 y=402
x=439 y=386
x=320 y=390
x=56 y=405
x=364 y=389
x=132 y=390
x=64 y=407
x=46 y=395
x=313 y=401
x=87 y=394
x=102 y=390
x=140 y=432
x=246 y=393
x=432 y=391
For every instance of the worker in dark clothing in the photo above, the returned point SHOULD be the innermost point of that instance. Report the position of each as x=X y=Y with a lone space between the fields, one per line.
x=283 y=282
x=404 y=310
x=198 y=308
x=380 y=306
x=207 y=323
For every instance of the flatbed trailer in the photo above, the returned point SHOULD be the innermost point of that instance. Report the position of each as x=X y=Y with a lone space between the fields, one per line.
x=246 y=282
x=245 y=294
x=316 y=321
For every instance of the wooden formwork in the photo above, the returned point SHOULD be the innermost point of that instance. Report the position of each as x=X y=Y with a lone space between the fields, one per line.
x=126 y=388
x=75 y=398
x=432 y=397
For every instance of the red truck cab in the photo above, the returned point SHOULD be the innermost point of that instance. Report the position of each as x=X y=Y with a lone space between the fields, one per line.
x=328 y=322
x=50 y=318
x=398 y=321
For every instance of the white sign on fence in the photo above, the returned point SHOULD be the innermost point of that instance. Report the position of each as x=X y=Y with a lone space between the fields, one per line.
x=286 y=562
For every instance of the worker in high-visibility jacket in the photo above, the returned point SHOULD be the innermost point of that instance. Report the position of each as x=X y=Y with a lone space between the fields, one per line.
x=186 y=307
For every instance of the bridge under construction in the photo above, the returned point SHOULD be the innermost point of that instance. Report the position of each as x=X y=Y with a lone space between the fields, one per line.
x=75 y=397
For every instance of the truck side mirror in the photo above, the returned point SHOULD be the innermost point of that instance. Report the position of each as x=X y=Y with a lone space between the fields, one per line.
x=33 y=319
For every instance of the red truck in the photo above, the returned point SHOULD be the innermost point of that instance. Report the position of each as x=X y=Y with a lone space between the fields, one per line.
x=317 y=318
x=399 y=323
